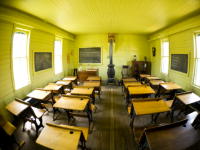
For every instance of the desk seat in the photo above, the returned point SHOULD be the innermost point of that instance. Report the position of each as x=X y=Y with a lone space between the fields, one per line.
x=169 y=103
x=38 y=112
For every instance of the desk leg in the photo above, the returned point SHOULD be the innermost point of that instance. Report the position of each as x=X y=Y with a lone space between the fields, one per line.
x=154 y=119
x=132 y=117
x=54 y=113
x=90 y=120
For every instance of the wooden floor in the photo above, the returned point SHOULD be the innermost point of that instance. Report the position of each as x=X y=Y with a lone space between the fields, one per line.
x=111 y=129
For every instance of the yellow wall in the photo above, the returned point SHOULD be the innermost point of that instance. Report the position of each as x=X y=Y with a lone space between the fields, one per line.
x=126 y=45
x=181 y=40
x=41 y=41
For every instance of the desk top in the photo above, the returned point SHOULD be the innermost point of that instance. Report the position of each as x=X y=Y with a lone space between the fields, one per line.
x=97 y=78
x=150 y=107
x=64 y=82
x=143 y=89
x=144 y=75
x=156 y=82
x=82 y=91
x=131 y=83
x=71 y=78
x=172 y=137
x=39 y=94
x=129 y=80
x=188 y=98
x=53 y=87
x=71 y=103
x=55 y=137
x=91 y=83
x=152 y=78
x=16 y=107
x=170 y=86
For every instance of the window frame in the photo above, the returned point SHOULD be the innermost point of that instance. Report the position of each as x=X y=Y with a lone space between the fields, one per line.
x=162 y=53
x=27 y=32
x=61 y=49
x=195 y=60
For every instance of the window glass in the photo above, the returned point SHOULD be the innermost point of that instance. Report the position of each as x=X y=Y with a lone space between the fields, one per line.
x=58 y=56
x=20 y=60
x=197 y=67
x=165 y=57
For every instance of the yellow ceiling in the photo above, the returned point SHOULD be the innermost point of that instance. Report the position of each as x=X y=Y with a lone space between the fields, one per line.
x=109 y=16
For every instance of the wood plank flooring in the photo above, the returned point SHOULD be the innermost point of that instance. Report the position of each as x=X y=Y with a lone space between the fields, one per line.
x=111 y=129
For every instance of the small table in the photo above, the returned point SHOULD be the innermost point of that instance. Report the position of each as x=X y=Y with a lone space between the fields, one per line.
x=79 y=104
x=151 y=78
x=149 y=106
x=143 y=76
x=126 y=84
x=179 y=135
x=94 y=78
x=187 y=99
x=59 y=137
x=55 y=88
x=16 y=107
x=71 y=78
x=139 y=90
x=84 y=92
x=155 y=83
x=95 y=84
x=44 y=96
x=170 y=86
x=65 y=83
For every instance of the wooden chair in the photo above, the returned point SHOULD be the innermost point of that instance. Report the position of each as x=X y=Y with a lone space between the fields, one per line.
x=175 y=104
x=9 y=130
x=162 y=92
x=32 y=114
x=125 y=71
x=52 y=100
x=89 y=109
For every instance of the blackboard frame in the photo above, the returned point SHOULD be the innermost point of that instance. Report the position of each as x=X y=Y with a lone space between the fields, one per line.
x=90 y=63
x=188 y=67
x=45 y=70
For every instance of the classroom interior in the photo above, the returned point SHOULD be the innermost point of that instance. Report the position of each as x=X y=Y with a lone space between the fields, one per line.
x=139 y=27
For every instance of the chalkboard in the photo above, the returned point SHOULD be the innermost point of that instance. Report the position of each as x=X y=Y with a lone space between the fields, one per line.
x=42 y=60
x=90 y=55
x=179 y=62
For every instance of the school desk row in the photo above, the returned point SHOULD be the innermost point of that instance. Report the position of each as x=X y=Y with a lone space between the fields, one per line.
x=160 y=136
x=77 y=99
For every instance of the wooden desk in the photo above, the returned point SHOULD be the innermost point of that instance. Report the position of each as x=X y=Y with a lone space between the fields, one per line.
x=126 y=84
x=69 y=103
x=40 y=95
x=71 y=78
x=129 y=80
x=143 y=76
x=55 y=88
x=65 y=83
x=84 y=92
x=94 y=78
x=189 y=98
x=170 y=86
x=148 y=106
x=95 y=84
x=154 y=83
x=139 y=90
x=179 y=135
x=83 y=75
x=59 y=137
x=44 y=96
x=186 y=99
x=16 y=107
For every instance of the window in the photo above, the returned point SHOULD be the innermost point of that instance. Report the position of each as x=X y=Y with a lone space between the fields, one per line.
x=165 y=57
x=20 y=59
x=197 y=61
x=58 y=55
